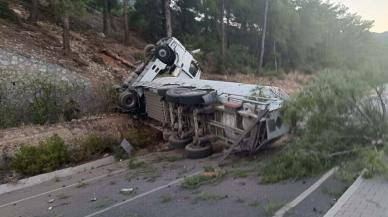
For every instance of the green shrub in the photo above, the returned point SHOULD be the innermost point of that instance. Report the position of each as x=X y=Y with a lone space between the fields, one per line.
x=94 y=146
x=49 y=155
x=294 y=164
x=341 y=117
x=7 y=13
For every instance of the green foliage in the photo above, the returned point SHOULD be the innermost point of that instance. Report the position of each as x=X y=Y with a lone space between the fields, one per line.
x=50 y=155
x=134 y=163
x=7 y=13
x=374 y=162
x=70 y=7
x=148 y=18
x=340 y=117
x=295 y=163
x=94 y=146
x=211 y=175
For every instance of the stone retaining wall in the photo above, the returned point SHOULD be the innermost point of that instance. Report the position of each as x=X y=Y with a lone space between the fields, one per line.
x=16 y=70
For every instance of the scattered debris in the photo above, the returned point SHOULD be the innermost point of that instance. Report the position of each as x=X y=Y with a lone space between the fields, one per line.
x=94 y=198
x=126 y=146
x=210 y=175
x=127 y=191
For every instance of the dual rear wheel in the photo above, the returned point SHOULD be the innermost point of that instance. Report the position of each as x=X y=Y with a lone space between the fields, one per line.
x=187 y=97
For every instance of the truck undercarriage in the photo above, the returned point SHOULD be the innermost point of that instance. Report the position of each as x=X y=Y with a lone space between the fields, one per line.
x=193 y=113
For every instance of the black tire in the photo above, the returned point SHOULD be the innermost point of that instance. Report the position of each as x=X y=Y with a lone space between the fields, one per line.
x=128 y=100
x=165 y=54
x=198 y=152
x=163 y=90
x=185 y=96
x=178 y=143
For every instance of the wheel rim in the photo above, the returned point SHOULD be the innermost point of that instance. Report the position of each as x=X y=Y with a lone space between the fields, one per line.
x=162 y=53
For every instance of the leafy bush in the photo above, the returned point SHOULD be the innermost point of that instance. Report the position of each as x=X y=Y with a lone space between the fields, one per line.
x=7 y=13
x=94 y=146
x=340 y=117
x=49 y=155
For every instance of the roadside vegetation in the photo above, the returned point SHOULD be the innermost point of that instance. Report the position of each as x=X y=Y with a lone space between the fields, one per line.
x=209 y=176
x=340 y=119
x=45 y=99
x=52 y=154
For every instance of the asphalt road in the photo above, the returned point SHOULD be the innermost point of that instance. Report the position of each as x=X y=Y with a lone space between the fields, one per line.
x=158 y=192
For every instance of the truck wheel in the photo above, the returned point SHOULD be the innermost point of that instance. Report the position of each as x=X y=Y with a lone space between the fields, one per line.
x=165 y=54
x=197 y=152
x=178 y=143
x=128 y=100
x=185 y=96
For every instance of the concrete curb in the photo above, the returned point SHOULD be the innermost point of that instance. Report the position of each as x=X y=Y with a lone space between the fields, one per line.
x=28 y=182
x=281 y=212
x=345 y=197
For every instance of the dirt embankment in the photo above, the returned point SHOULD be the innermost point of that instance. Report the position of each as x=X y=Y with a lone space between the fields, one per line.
x=88 y=44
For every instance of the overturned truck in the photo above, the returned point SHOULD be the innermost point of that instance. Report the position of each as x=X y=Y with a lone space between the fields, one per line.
x=191 y=112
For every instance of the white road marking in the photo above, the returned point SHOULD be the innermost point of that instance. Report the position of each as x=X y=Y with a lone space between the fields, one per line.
x=345 y=197
x=61 y=188
x=142 y=195
x=306 y=193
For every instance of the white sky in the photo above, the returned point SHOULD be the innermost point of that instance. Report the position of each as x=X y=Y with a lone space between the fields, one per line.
x=376 y=10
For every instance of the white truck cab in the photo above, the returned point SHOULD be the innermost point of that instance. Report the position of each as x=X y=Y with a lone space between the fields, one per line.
x=168 y=89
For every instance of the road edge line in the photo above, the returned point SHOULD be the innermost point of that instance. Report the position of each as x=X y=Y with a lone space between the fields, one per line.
x=345 y=197
x=142 y=194
x=35 y=180
x=61 y=188
x=305 y=194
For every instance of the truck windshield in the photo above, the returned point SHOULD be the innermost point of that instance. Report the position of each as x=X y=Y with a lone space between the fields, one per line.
x=193 y=69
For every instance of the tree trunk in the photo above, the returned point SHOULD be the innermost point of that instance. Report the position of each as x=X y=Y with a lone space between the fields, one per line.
x=261 y=59
x=227 y=24
x=66 y=34
x=112 y=25
x=275 y=55
x=105 y=19
x=126 y=30
x=167 y=15
x=34 y=12
x=222 y=28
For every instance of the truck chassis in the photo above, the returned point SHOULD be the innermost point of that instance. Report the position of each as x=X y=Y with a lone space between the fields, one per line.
x=193 y=113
